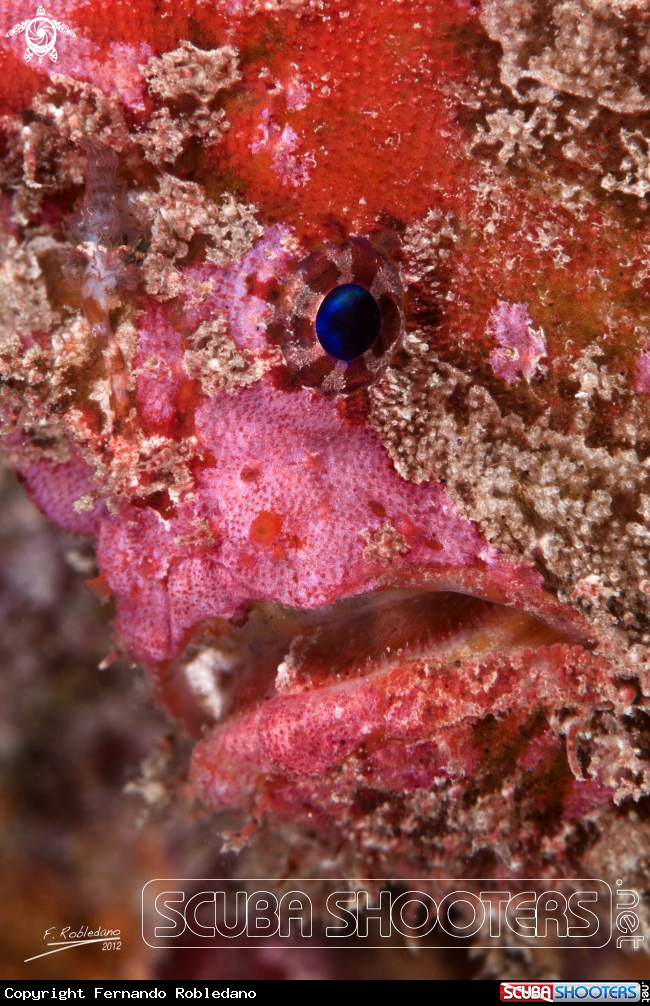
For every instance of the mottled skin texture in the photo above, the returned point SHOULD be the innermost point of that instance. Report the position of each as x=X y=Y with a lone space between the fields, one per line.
x=501 y=455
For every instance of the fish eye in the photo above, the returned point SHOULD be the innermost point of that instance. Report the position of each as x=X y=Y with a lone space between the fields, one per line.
x=348 y=321
x=341 y=317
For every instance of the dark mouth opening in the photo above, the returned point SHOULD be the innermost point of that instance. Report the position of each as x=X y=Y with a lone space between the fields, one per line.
x=230 y=669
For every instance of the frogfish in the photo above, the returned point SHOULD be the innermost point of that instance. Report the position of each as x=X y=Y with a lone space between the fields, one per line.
x=330 y=321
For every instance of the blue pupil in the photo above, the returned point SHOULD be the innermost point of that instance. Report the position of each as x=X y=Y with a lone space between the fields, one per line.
x=348 y=322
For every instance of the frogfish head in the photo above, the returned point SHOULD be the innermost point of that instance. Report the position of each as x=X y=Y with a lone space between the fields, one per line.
x=326 y=320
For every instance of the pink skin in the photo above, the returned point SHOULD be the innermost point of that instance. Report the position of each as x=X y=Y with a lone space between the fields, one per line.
x=158 y=385
x=293 y=455
x=247 y=314
x=642 y=372
x=302 y=462
x=320 y=484
x=287 y=493
x=54 y=488
x=414 y=722
x=520 y=348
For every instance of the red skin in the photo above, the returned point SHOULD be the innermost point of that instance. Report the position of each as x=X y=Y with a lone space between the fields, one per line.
x=285 y=480
x=413 y=724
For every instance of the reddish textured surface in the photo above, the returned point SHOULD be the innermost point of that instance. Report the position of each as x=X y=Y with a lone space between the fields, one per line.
x=322 y=487
x=55 y=488
x=69 y=845
x=415 y=725
x=356 y=121
x=642 y=371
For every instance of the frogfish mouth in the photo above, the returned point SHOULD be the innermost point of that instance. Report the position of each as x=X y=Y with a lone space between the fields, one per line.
x=326 y=320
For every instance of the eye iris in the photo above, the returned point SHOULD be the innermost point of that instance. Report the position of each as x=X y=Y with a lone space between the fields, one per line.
x=348 y=321
x=336 y=336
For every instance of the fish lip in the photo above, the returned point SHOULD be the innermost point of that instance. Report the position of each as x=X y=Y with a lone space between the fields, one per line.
x=178 y=694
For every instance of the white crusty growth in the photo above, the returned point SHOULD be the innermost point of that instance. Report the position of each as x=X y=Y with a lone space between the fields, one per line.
x=178 y=211
x=215 y=359
x=187 y=72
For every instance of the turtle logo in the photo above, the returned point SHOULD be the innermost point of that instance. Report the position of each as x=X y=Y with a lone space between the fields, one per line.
x=40 y=35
